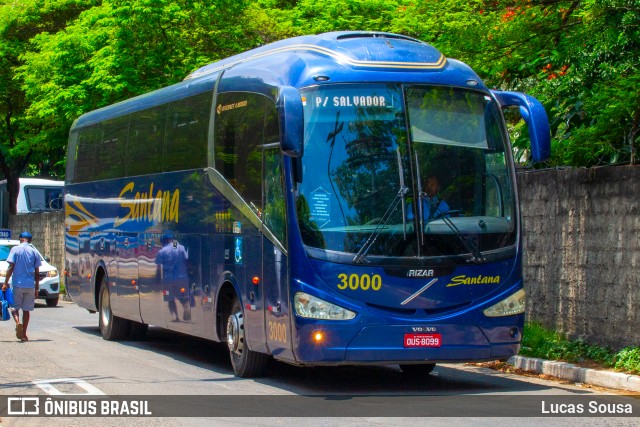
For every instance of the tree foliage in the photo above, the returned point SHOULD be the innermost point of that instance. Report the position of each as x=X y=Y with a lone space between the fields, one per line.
x=580 y=58
x=22 y=145
x=124 y=48
x=61 y=58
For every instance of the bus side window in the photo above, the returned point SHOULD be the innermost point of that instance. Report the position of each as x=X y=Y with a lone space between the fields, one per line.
x=110 y=148
x=71 y=156
x=144 y=145
x=240 y=120
x=185 y=145
x=274 y=213
x=85 y=154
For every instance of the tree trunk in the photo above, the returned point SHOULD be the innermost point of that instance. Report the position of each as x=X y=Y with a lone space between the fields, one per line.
x=13 y=187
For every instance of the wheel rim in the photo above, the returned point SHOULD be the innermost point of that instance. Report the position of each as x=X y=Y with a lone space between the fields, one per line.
x=235 y=333
x=105 y=307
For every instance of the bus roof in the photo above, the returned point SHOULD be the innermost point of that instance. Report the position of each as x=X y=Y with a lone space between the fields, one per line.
x=335 y=57
x=368 y=50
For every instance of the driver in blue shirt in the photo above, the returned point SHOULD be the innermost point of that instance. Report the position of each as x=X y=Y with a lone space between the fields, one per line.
x=433 y=207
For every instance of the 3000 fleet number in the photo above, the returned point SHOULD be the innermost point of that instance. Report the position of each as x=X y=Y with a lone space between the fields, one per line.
x=277 y=331
x=364 y=282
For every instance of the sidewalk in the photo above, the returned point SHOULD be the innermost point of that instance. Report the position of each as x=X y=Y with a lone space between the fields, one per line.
x=567 y=371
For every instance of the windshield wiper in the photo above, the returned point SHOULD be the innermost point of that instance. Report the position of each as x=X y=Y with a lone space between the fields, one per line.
x=433 y=207
x=399 y=198
x=402 y=192
x=469 y=245
x=421 y=195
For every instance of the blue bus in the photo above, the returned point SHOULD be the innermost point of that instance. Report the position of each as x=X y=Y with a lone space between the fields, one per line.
x=346 y=198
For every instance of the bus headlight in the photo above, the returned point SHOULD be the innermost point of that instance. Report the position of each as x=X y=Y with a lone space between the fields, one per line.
x=315 y=308
x=514 y=304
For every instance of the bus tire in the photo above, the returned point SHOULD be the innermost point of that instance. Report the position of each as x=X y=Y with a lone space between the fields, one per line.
x=418 y=370
x=113 y=328
x=246 y=363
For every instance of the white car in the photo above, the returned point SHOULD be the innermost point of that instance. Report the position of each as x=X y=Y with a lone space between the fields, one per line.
x=49 y=277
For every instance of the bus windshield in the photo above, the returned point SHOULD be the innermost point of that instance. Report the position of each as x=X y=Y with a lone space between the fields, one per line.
x=404 y=171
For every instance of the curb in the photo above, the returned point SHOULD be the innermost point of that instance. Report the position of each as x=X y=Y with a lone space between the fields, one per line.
x=568 y=371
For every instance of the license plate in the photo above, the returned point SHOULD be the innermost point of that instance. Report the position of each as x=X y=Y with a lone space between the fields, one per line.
x=422 y=340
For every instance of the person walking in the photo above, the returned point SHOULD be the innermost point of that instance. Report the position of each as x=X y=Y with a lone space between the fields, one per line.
x=24 y=266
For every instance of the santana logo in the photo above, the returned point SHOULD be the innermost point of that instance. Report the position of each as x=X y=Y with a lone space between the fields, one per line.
x=164 y=207
x=477 y=280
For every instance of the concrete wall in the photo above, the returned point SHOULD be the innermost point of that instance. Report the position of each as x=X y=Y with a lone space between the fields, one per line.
x=47 y=229
x=582 y=249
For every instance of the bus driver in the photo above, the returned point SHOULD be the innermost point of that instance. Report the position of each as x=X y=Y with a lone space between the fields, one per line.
x=433 y=207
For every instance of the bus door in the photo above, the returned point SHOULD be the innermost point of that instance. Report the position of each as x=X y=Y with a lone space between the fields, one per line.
x=126 y=303
x=149 y=285
x=274 y=258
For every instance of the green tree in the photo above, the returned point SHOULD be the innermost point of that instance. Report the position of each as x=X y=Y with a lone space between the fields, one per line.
x=22 y=145
x=598 y=103
x=580 y=58
x=123 y=48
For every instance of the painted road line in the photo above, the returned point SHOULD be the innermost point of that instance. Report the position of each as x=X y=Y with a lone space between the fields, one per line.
x=48 y=387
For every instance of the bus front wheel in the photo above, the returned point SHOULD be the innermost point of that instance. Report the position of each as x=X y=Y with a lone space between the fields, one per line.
x=246 y=363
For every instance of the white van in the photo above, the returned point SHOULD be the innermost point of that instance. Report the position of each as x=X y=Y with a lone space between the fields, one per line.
x=37 y=195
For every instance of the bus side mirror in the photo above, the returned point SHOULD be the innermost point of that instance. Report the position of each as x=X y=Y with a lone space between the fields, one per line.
x=536 y=119
x=291 y=119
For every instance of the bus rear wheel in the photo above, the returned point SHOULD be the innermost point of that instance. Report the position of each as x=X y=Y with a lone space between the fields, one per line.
x=113 y=328
x=246 y=363
x=418 y=370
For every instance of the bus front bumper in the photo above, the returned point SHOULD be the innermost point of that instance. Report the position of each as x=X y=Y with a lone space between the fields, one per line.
x=399 y=344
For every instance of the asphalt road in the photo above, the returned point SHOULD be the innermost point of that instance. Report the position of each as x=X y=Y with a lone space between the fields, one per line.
x=66 y=356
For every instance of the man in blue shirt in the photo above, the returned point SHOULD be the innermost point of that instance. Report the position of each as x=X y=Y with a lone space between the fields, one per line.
x=24 y=266
x=433 y=207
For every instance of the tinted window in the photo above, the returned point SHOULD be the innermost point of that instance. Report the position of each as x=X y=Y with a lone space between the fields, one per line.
x=166 y=138
x=71 y=156
x=85 y=154
x=274 y=210
x=146 y=137
x=244 y=122
x=187 y=127
x=110 y=148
